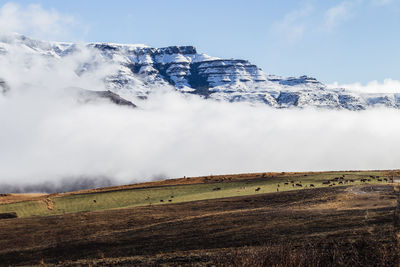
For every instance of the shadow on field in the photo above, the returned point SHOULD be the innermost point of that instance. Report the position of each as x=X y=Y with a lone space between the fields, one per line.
x=316 y=227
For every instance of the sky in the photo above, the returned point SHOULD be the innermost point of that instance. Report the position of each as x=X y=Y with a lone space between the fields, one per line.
x=344 y=42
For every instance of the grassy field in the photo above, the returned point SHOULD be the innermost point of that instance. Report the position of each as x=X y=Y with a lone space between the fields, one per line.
x=186 y=190
x=353 y=225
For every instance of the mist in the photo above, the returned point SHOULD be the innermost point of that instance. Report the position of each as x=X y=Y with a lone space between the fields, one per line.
x=47 y=139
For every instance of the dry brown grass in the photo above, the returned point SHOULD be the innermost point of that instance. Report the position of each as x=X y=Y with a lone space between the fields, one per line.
x=221 y=178
x=11 y=198
x=293 y=228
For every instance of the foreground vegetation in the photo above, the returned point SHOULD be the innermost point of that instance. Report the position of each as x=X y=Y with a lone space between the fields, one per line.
x=348 y=224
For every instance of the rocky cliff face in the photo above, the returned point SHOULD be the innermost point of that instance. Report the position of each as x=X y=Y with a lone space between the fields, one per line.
x=141 y=70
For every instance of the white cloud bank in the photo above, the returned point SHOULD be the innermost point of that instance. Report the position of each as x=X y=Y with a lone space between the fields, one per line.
x=47 y=139
x=386 y=86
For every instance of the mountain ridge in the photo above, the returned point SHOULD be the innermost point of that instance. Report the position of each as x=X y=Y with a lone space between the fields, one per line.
x=141 y=70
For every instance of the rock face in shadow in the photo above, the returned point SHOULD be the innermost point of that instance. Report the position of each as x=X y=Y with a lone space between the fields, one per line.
x=4 y=88
x=93 y=96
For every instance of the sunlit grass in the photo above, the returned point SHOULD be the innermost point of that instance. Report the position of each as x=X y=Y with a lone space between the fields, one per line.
x=179 y=193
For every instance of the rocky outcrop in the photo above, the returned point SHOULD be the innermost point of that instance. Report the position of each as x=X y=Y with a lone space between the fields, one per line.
x=87 y=96
x=4 y=88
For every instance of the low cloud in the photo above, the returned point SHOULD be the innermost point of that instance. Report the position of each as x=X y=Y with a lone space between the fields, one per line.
x=176 y=135
x=386 y=86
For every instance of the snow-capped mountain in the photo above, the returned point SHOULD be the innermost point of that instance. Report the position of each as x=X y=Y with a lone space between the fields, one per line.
x=140 y=70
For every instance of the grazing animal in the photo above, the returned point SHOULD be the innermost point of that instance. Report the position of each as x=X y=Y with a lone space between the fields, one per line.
x=312 y=185
x=217 y=188
x=172 y=196
x=278 y=185
x=340 y=182
x=299 y=185
x=352 y=181
x=380 y=180
x=161 y=200
x=385 y=179
x=326 y=182
x=286 y=183
x=94 y=200
x=277 y=190
x=169 y=200
x=258 y=189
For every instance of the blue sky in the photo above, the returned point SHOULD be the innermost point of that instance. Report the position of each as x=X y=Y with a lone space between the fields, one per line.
x=332 y=40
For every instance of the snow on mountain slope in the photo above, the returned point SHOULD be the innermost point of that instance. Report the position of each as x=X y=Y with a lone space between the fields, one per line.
x=140 y=70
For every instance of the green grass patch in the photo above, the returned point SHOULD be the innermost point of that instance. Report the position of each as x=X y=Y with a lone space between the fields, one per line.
x=180 y=193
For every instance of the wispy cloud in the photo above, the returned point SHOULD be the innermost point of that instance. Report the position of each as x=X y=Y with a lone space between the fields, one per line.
x=293 y=25
x=36 y=21
x=338 y=14
x=382 y=2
